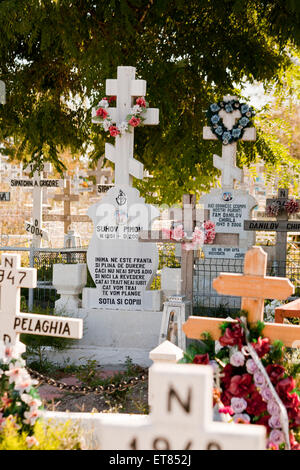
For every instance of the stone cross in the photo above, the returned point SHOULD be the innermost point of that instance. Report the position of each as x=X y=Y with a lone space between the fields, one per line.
x=181 y=417
x=227 y=164
x=12 y=322
x=125 y=87
x=254 y=287
x=282 y=226
x=35 y=228
x=67 y=197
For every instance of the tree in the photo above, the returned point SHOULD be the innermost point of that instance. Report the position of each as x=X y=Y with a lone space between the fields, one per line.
x=56 y=55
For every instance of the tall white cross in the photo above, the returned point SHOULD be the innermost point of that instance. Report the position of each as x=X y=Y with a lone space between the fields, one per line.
x=125 y=88
x=227 y=164
x=12 y=322
x=2 y=92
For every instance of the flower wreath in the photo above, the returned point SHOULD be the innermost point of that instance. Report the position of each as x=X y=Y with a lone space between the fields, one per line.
x=200 y=236
x=134 y=119
x=257 y=380
x=227 y=136
x=291 y=206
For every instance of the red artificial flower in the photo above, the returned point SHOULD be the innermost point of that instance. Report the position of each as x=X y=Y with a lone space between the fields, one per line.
x=262 y=346
x=101 y=112
x=112 y=99
x=241 y=385
x=294 y=416
x=294 y=444
x=233 y=336
x=275 y=372
x=141 y=102
x=284 y=386
x=134 y=122
x=114 y=131
x=226 y=410
x=226 y=398
x=226 y=375
x=264 y=421
x=201 y=359
x=256 y=405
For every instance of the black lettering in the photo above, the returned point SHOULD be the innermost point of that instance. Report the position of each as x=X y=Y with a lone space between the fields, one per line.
x=213 y=446
x=186 y=406
x=8 y=261
x=17 y=322
x=158 y=441
x=66 y=329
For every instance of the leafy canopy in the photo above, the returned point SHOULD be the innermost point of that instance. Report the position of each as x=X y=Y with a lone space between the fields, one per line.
x=56 y=55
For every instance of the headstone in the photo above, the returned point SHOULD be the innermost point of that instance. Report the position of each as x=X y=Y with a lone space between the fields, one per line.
x=181 y=417
x=12 y=278
x=228 y=207
x=282 y=226
x=121 y=267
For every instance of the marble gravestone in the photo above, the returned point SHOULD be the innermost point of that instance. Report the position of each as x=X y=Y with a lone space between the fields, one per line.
x=123 y=268
x=228 y=207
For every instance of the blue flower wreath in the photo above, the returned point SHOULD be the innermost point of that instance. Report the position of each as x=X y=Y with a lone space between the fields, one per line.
x=217 y=126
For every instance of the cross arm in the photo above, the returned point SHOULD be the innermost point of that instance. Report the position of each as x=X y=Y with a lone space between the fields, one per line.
x=194 y=327
x=46 y=325
x=252 y=286
x=249 y=134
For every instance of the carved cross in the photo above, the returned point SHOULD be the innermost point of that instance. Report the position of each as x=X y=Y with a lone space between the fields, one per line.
x=125 y=88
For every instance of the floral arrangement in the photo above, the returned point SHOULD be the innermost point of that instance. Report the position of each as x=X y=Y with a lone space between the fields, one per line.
x=134 y=119
x=291 y=206
x=257 y=384
x=20 y=410
x=200 y=236
x=228 y=136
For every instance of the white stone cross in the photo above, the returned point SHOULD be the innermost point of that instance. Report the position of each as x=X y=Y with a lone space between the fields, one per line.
x=2 y=92
x=181 y=417
x=12 y=322
x=125 y=88
x=227 y=164
x=35 y=228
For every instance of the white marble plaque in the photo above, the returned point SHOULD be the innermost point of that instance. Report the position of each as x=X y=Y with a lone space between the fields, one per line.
x=122 y=267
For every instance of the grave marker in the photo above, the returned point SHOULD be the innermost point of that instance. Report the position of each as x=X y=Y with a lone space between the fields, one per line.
x=120 y=266
x=67 y=218
x=4 y=196
x=103 y=176
x=282 y=226
x=12 y=322
x=181 y=417
x=228 y=207
x=254 y=287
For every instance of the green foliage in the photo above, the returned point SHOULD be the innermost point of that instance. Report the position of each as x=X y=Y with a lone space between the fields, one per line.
x=56 y=54
x=48 y=437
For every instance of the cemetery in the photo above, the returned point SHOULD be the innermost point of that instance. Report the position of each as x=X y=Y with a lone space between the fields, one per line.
x=149 y=235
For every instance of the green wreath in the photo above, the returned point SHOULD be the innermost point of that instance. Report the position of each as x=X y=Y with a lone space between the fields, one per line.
x=227 y=136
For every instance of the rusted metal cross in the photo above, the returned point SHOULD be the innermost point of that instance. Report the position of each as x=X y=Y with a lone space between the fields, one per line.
x=253 y=286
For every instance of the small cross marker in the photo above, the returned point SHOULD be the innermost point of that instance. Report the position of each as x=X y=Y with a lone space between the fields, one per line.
x=12 y=322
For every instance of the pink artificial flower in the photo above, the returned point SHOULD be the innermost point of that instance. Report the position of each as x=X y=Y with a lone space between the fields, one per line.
x=241 y=418
x=251 y=366
x=276 y=436
x=238 y=404
x=141 y=102
x=102 y=113
x=259 y=379
x=274 y=422
x=198 y=236
x=31 y=441
x=272 y=446
x=226 y=410
x=134 y=122
x=273 y=408
x=237 y=359
x=266 y=393
x=167 y=233
x=178 y=233
x=31 y=416
x=114 y=131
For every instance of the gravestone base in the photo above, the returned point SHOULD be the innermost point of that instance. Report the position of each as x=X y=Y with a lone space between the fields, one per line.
x=149 y=300
x=111 y=336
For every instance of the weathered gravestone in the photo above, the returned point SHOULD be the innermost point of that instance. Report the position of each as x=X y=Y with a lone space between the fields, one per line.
x=103 y=177
x=282 y=226
x=12 y=322
x=67 y=218
x=227 y=208
x=121 y=267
